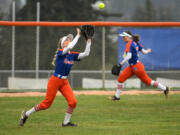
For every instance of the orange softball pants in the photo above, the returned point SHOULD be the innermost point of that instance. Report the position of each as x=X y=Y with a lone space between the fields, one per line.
x=138 y=70
x=53 y=86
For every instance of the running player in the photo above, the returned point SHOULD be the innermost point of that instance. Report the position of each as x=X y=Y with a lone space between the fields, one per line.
x=63 y=62
x=135 y=67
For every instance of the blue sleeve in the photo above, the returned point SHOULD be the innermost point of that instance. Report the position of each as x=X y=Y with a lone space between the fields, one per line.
x=76 y=57
x=140 y=46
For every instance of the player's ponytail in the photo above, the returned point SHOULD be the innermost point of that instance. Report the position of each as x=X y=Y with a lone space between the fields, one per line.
x=59 y=46
x=136 y=38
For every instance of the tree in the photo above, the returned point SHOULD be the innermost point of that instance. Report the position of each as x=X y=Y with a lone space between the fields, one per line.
x=56 y=11
x=165 y=14
x=5 y=45
x=145 y=14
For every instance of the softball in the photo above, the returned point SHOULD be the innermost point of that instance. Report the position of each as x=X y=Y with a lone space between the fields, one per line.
x=101 y=5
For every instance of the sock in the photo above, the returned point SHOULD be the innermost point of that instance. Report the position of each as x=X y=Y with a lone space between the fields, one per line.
x=119 y=89
x=67 y=118
x=158 y=85
x=29 y=112
x=32 y=110
x=68 y=115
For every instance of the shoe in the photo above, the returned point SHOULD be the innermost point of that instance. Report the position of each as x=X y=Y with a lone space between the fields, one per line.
x=114 y=98
x=23 y=118
x=69 y=124
x=166 y=92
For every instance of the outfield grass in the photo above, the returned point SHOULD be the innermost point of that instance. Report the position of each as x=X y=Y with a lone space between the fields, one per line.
x=95 y=115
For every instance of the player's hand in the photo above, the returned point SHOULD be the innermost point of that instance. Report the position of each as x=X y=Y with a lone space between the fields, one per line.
x=149 y=50
x=78 y=31
x=116 y=69
x=89 y=40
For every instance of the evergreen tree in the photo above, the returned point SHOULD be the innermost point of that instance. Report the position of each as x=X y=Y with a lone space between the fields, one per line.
x=57 y=11
x=5 y=46
x=145 y=14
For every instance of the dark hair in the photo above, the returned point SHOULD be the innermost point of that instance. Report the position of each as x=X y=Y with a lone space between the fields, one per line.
x=136 y=38
x=129 y=32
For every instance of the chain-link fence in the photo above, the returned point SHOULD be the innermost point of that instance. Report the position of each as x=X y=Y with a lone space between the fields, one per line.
x=26 y=54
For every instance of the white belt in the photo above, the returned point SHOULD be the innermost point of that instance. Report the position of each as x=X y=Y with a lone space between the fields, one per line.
x=62 y=77
x=134 y=64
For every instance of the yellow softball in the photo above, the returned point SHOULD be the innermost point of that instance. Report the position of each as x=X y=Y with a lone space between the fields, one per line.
x=101 y=5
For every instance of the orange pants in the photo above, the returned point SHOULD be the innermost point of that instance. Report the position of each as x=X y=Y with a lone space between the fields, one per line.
x=138 y=70
x=53 y=86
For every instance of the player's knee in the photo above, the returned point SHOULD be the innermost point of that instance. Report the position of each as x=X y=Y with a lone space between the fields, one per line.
x=46 y=107
x=120 y=80
x=147 y=82
x=73 y=103
x=45 y=104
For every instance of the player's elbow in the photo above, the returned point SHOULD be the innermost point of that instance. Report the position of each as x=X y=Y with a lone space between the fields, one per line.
x=86 y=54
x=129 y=56
x=70 y=47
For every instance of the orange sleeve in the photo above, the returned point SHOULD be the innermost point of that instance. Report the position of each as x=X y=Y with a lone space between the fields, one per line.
x=128 y=45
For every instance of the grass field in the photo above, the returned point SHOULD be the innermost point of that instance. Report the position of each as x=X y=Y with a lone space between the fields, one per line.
x=95 y=115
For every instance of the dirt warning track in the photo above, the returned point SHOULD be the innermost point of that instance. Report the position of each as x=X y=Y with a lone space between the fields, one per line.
x=92 y=92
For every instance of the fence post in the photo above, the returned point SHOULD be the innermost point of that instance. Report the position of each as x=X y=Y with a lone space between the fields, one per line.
x=103 y=57
x=13 y=39
x=37 y=40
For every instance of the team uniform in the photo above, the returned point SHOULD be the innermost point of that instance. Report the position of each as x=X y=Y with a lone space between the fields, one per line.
x=59 y=82
x=135 y=67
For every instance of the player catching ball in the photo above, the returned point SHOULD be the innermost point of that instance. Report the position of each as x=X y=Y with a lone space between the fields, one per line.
x=63 y=61
x=135 y=67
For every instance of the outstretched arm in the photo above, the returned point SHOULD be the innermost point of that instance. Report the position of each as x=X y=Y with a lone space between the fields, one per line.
x=146 y=51
x=86 y=51
x=72 y=43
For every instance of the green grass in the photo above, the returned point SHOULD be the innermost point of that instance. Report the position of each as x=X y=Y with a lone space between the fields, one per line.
x=95 y=115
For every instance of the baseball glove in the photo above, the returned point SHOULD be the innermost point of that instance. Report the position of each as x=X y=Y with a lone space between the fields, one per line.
x=87 y=31
x=116 y=69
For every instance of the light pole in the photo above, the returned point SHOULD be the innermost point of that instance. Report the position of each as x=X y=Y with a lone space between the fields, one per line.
x=13 y=39
x=37 y=39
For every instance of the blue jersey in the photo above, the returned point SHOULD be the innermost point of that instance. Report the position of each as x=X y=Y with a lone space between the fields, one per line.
x=133 y=48
x=64 y=62
x=140 y=46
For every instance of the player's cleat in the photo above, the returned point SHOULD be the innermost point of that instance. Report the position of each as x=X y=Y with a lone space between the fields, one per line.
x=23 y=118
x=166 y=92
x=114 y=98
x=69 y=124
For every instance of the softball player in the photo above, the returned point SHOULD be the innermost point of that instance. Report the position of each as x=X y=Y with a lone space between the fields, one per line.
x=63 y=62
x=135 y=67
